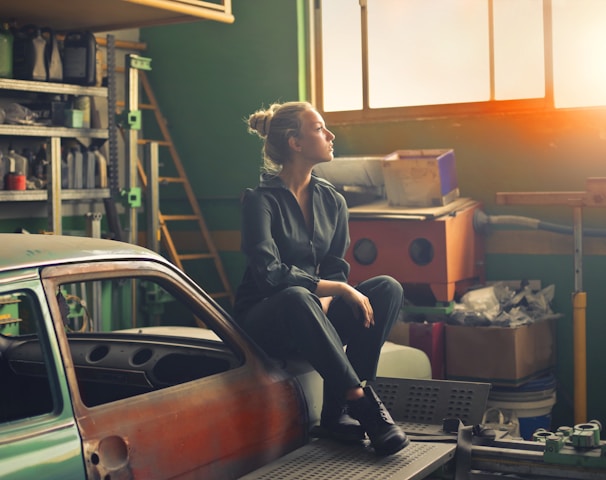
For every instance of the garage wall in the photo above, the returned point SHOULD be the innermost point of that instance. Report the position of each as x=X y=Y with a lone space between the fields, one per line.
x=208 y=77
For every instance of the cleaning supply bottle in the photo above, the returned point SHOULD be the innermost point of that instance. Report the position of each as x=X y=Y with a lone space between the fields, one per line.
x=29 y=47
x=39 y=71
x=54 y=63
x=17 y=171
x=6 y=52
x=79 y=58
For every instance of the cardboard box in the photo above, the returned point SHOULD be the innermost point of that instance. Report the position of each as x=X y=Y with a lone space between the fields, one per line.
x=400 y=333
x=420 y=178
x=500 y=355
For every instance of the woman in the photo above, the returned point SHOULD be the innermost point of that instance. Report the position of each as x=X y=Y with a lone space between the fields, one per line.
x=294 y=295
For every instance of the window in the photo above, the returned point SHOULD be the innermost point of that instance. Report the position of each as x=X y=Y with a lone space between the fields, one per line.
x=382 y=58
x=130 y=336
x=26 y=390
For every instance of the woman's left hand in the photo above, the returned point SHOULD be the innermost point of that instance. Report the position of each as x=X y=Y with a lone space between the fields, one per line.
x=360 y=304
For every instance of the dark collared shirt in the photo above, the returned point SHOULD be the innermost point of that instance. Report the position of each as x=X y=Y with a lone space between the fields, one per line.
x=280 y=252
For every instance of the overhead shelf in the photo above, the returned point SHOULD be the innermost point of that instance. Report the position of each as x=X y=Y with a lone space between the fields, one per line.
x=109 y=15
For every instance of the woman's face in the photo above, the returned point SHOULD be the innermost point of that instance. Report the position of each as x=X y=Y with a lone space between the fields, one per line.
x=315 y=141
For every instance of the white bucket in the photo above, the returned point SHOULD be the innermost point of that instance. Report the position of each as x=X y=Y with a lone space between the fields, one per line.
x=531 y=404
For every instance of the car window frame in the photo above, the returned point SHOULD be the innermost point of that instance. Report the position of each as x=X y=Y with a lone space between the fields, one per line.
x=193 y=296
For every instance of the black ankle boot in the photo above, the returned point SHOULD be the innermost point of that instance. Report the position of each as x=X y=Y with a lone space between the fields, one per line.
x=335 y=422
x=385 y=436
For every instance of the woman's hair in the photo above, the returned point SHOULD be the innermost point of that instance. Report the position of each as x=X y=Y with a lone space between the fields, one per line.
x=275 y=125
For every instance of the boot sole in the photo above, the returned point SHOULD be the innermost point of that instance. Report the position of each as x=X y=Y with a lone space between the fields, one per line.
x=321 y=432
x=392 y=449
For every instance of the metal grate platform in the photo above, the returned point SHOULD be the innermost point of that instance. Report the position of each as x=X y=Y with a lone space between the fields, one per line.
x=323 y=459
x=420 y=406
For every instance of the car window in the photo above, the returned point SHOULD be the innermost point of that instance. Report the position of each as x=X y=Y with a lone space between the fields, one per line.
x=130 y=336
x=24 y=366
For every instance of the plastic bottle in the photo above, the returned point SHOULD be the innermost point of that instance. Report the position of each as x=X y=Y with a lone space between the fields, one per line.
x=3 y=170
x=79 y=58
x=100 y=170
x=78 y=169
x=39 y=71
x=6 y=52
x=29 y=47
x=17 y=171
x=54 y=62
x=40 y=163
x=89 y=167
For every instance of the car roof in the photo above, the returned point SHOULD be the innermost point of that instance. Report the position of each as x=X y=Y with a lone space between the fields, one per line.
x=18 y=250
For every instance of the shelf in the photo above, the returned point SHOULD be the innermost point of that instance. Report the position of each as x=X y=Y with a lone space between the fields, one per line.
x=42 y=195
x=55 y=195
x=108 y=15
x=42 y=131
x=51 y=87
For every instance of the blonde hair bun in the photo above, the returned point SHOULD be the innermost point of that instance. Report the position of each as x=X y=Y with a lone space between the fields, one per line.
x=259 y=122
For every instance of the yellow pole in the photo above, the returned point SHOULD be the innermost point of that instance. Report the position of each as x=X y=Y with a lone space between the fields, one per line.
x=579 y=304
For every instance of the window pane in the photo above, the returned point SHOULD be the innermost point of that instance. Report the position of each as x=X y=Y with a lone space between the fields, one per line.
x=422 y=55
x=24 y=366
x=518 y=49
x=341 y=61
x=579 y=45
x=134 y=336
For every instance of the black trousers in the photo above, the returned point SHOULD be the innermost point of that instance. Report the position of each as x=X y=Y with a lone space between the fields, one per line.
x=292 y=321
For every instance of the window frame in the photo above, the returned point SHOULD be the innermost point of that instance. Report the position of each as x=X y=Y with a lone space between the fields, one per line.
x=368 y=114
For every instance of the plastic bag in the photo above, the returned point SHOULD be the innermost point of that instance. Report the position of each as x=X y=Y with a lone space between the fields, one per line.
x=502 y=421
x=17 y=114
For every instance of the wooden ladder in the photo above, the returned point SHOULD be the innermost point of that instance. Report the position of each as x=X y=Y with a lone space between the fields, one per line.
x=193 y=218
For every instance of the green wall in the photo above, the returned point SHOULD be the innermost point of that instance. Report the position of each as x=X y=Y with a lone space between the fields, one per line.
x=208 y=77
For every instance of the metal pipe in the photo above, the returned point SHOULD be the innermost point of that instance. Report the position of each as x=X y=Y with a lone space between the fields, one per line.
x=579 y=306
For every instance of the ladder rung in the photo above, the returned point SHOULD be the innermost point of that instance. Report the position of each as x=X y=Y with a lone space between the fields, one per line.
x=195 y=256
x=174 y=218
x=142 y=106
x=145 y=141
x=171 y=180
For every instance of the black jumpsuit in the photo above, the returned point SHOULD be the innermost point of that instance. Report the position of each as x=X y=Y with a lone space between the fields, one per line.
x=276 y=302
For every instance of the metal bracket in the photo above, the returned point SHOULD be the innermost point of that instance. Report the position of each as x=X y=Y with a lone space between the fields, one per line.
x=132 y=197
x=140 y=63
x=133 y=119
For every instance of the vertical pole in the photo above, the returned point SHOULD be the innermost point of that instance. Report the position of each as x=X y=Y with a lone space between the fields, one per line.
x=54 y=188
x=153 y=196
x=131 y=141
x=579 y=304
x=364 y=30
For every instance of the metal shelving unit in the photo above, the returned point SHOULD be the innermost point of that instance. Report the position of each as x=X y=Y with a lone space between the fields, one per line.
x=54 y=195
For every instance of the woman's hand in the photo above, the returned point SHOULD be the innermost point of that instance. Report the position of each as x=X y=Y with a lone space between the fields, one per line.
x=359 y=303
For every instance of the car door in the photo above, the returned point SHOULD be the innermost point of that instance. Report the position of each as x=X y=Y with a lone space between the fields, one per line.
x=39 y=436
x=219 y=424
